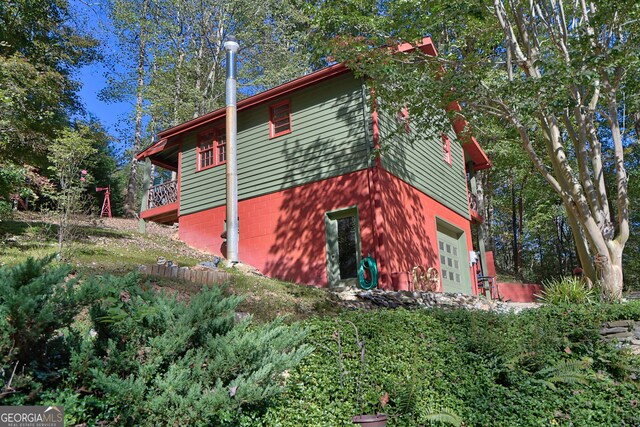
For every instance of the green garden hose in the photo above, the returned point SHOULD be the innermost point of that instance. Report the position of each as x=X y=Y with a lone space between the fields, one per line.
x=369 y=263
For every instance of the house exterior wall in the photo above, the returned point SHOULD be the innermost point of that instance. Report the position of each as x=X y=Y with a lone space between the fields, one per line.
x=286 y=185
x=328 y=139
x=417 y=158
x=282 y=234
x=410 y=227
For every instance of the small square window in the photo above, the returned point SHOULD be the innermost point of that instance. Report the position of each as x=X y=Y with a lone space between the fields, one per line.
x=280 y=119
x=212 y=149
x=446 y=149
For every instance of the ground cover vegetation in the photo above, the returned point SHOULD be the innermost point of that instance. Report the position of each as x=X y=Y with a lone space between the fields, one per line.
x=110 y=348
x=543 y=367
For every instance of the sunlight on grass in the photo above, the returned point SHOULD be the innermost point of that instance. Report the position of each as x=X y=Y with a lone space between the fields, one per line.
x=101 y=250
x=269 y=298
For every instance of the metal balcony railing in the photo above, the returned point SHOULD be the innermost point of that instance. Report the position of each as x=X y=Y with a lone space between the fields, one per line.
x=162 y=194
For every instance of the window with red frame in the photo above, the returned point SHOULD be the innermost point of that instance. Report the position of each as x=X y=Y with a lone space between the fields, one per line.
x=279 y=119
x=446 y=149
x=212 y=149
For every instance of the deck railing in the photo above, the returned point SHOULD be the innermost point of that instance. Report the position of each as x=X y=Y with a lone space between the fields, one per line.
x=162 y=194
x=473 y=203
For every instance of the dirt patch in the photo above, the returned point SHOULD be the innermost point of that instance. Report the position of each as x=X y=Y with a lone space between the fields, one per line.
x=132 y=225
x=157 y=237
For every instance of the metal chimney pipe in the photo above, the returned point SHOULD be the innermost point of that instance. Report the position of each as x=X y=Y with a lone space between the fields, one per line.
x=231 y=47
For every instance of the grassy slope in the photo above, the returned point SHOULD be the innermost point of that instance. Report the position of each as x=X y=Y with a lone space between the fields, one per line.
x=116 y=247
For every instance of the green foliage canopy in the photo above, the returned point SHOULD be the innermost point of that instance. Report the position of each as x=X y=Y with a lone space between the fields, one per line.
x=39 y=50
x=563 y=76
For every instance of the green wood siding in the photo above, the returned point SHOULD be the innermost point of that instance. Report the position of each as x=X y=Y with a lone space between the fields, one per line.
x=417 y=159
x=328 y=139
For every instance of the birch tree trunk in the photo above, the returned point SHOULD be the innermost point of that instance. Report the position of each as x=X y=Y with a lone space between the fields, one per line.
x=132 y=184
x=579 y=183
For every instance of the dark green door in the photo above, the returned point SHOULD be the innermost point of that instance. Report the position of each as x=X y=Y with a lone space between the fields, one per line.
x=343 y=246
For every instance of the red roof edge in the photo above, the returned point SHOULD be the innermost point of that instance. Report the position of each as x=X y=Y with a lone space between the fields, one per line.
x=470 y=144
x=426 y=46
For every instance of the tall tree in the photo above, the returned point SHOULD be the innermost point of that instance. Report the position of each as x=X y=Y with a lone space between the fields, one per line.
x=179 y=73
x=39 y=51
x=132 y=24
x=560 y=74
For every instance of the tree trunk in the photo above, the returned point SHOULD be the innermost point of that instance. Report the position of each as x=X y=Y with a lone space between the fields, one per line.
x=519 y=261
x=560 y=245
x=484 y=196
x=132 y=185
x=580 y=184
x=514 y=228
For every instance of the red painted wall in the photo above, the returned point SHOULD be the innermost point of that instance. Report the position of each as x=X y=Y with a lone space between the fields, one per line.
x=283 y=234
x=519 y=292
x=410 y=231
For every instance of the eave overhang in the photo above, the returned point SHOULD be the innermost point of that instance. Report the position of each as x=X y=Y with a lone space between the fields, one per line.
x=469 y=143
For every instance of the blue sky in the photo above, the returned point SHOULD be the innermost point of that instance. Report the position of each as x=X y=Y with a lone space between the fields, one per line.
x=93 y=77
x=93 y=81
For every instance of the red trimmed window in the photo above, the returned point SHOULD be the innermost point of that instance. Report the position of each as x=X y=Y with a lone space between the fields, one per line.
x=280 y=119
x=403 y=118
x=212 y=149
x=446 y=149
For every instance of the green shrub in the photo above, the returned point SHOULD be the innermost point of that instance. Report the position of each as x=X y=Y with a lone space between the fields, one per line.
x=542 y=367
x=160 y=361
x=37 y=301
x=112 y=352
x=567 y=290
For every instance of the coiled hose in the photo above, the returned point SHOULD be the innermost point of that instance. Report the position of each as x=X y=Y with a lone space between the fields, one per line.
x=369 y=264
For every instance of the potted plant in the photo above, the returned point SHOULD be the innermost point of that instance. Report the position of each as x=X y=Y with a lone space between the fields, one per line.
x=367 y=420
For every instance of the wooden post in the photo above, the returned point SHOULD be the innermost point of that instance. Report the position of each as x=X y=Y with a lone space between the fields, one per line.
x=146 y=184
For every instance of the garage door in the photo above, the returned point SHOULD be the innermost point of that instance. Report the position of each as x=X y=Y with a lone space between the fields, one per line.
x=454 y=269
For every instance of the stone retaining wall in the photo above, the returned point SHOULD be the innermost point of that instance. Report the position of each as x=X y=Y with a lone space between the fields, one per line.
x=377 y=298
x=199 y=276
x=623 y=332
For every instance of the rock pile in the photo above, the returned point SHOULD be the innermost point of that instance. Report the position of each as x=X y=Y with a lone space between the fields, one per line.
x=377 y=298
x=623 y=332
